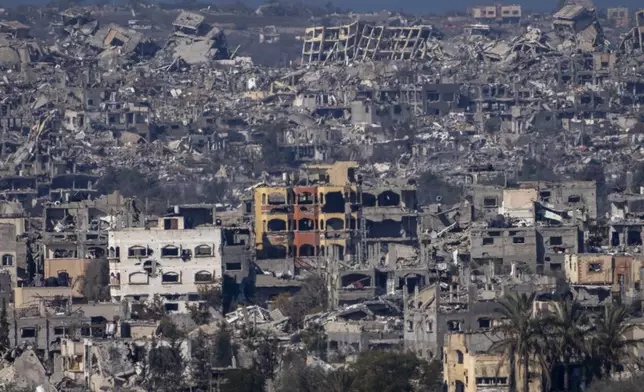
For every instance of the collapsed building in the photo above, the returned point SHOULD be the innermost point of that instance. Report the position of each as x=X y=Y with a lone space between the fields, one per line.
x=472 y=136
x=358 y=41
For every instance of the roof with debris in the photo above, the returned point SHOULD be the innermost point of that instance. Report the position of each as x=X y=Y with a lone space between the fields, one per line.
x=188 y=19
x=114 y=35
x=14 y=24
x=569 y=12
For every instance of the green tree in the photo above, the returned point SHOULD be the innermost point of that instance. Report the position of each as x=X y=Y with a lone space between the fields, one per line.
x=4 y=328
x=633 y=384
x=95 y=282
x=199 y=314
x=224 y=349
x=211 y=298
x=432 y=376
x=386 y=372
x=243 y=380
x=519 y=335
x=201 y=363
x=611 y=340
x=166 y=366
x=153 y=309
x=339 y=380
x=296 y=376
x=208 y=352
x=312 y=298
x=266 y=358
x=566 y=335
x=168 y=329
x=315 y=340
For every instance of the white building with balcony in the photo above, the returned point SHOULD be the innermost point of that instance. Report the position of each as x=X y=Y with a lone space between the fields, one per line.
x=167 y=260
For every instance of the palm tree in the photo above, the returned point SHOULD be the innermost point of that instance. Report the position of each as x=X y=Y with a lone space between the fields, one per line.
x=518 y=334
x=568 y=324
x=613 y=331
x=339 y=380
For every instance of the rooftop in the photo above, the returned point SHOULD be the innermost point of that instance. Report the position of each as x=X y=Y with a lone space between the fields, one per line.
x=188 y=19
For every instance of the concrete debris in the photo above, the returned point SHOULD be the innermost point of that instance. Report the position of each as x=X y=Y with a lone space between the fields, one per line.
x=396 y=176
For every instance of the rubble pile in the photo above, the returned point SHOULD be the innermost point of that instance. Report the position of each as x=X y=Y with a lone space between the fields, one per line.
x=380 y=187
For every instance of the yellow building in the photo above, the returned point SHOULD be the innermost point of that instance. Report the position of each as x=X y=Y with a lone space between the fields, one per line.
x=593 y=269
x=25 y=297
x=468 y=368
x=302 y=221
x=74 y=268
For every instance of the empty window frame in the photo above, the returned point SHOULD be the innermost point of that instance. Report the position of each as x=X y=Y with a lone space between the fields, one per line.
x=170 y=277
x=170 y=251
x=58 y=331
x=488 y=241
x=233 y=266
x=137 y=251
x=7 y=260
x=484 y=323
x=203 y=250
x=595 y=267
x=545 y=195
x=490 y=202
x=28 y=332
x=454 y=325
x=556 y=240
x=518 y=240
x=203 y=277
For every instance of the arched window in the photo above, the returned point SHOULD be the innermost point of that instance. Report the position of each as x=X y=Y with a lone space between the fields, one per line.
x=459 y=356
x=388 y=199
x=170 y=277
x=203 y=277
x=334 y=224
x=137 y=251
x=307 y=250
x=276 y=225
x=7 y=260
x=170 y=251
x=203 y=250
x=138 y=278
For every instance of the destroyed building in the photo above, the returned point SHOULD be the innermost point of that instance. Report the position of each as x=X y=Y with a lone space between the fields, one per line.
x=421 y=168
x=510 y=13
x=363 y=41
x=79 y=229
x=332 y=217
x=194 y=42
